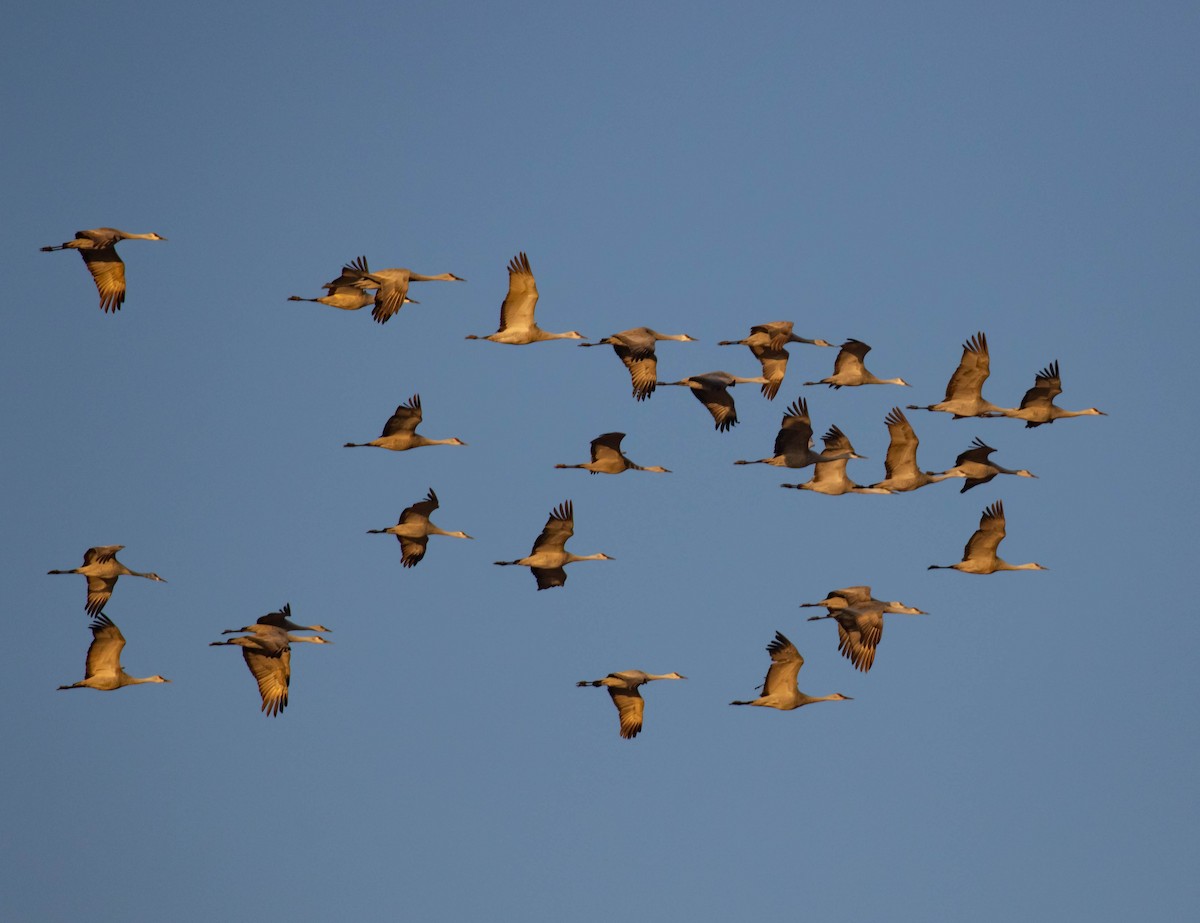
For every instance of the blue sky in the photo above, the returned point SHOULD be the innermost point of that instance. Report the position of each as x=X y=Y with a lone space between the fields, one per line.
x=905 y=175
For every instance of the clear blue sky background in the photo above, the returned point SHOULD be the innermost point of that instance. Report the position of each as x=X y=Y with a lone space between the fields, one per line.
x=906 y=174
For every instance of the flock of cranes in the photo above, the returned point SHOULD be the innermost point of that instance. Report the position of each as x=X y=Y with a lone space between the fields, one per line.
x=266 y=644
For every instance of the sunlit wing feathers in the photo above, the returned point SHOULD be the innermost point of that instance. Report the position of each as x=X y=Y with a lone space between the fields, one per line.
x=973 y=370
x=643 y=369
x=631 y=707
x=108 y=272
x=785 y=667
x=273 y=672
x=518 y=306
x=104 y=653
x=901 y=459
x=559 y=527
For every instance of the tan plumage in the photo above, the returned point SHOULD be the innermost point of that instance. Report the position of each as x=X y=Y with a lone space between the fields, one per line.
x=635 y=349
x=549 y=557
x=900 y=466
x=607 y=458
x=400 y=431
x=623 y=688
x=413 y=529
x=860 y=621
x=779 y=689
x=517 y=326
x=849 y=371
x=979 y=555
x=964 y=391
x=1038 y=407
x=103 y=670
x=767 y=342
x=98 y=247
x=101 y=567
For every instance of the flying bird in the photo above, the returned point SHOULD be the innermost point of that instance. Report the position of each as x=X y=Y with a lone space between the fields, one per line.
x=767 y=342
x=98 y=247
x=860 y=621
x=849 y=371
x=517 y=326
x=607 y=458
x=549 y=557
x=1038 y=407
x=268 y=654
x=979 y=556
x=712 y=390
x=623 y=687
x=413 y=529
x=964 y=391
x=104 y=670
x=900 y=469
x=101 y=567
x=400 y=431
x=793 y=443
x=977 y=467
x=779 y=689
x=635 y=348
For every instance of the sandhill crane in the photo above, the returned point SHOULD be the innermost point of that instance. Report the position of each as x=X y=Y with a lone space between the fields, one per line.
x=623 y=687
x=351 y=290
x=98 y=247
x=793 y=442
x=979 y=555
x=711 y=390
x=1038 y=407
x=392 y=285
x=635 y=348
x=975 y=465
x=860 y=621
x=849 y=371
x=964 y=396
x=767 y=342
x=400 y=431
x=900 y=465
x=549 y=557
x=268 y=653
x=413 y=529
x=829 y=477
x=101 y=567
x=104 y=670
x=517 y=326
x=607 y=458
x=779 y=689
x=281 y=619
